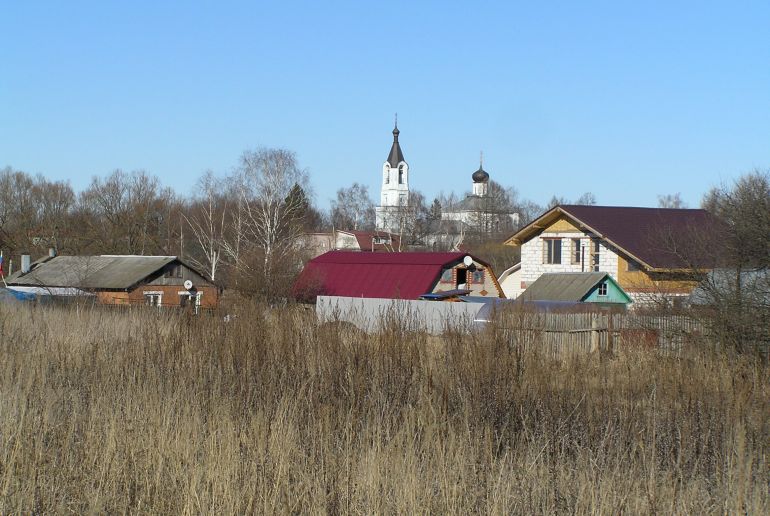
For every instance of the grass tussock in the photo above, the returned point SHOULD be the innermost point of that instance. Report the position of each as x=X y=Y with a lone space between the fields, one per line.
x=107 y=411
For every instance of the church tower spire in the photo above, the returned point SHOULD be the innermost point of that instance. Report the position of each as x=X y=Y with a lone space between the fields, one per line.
x=396 y=156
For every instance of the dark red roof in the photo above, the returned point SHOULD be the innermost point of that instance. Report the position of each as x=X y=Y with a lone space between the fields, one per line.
x=664 y=238
x=378 y=275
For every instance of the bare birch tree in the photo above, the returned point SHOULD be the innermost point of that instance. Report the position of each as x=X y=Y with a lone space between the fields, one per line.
x=265 y=218
x=353 y=208
x=207 y=220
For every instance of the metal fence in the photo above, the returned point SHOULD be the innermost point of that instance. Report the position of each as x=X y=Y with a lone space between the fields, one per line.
x=373 y=315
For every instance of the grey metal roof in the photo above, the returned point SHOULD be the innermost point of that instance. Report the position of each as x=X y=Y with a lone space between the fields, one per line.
x=720 y=285
x=563 y=286
x=113 y=272
x=51 y=291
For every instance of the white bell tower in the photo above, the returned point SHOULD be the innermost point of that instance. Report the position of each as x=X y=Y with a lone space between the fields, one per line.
x=394 y=194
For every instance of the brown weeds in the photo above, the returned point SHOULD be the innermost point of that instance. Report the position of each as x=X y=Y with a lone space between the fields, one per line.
x=111 y=411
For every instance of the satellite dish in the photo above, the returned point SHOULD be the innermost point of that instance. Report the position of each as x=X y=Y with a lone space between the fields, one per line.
x=188 y=284
x=468 y=261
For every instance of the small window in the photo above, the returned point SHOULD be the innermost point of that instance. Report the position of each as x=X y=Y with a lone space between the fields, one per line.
x=153 y=299
x=387 y=176
x=576 y=252
x=478 y=277
x=603 y=289
x=446 y=276
x=632 y=266
x=401 y=174
x=552 y=250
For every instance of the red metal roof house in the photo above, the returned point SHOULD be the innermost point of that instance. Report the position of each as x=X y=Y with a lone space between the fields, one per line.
x=394 y=275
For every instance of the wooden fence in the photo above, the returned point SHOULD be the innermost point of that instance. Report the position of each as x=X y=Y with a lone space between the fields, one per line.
x=559 y=333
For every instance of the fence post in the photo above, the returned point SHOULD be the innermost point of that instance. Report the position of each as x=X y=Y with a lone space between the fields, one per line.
x=594 y=334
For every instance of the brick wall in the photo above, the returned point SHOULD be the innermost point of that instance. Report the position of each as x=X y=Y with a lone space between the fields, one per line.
x=169 y=296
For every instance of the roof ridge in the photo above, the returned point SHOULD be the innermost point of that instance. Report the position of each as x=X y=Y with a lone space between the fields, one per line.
x=596 y=206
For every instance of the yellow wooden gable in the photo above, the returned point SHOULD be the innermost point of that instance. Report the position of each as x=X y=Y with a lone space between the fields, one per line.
x=562 y=225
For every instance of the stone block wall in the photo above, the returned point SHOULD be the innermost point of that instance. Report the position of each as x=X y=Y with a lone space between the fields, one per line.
x=532 y=266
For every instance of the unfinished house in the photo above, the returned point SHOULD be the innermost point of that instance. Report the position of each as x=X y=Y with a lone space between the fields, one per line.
x=654 y=254
x=161 y=281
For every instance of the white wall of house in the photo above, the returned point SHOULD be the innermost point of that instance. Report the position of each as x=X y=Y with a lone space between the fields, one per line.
x=471 y=218
x=532 y=266
x=345 y=240
x=510 y=282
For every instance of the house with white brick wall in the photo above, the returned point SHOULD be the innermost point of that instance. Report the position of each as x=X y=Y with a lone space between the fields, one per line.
x=633 y=245
x=575 y=252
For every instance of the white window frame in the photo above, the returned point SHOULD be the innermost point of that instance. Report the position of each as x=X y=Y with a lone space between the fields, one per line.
x=198 y=295
x=576 y=251
x=596 y=253
x=157 y=294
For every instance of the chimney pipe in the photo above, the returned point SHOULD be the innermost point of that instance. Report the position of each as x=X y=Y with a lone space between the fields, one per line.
x=26 y=263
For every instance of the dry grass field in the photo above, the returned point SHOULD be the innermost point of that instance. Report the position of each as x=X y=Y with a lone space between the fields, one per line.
x=113 y=412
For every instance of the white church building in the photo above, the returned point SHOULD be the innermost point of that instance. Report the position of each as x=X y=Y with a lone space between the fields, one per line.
x=478 y=211
x=394 y=194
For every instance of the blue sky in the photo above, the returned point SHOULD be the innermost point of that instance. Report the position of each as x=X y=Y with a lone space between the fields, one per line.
x=626 y=100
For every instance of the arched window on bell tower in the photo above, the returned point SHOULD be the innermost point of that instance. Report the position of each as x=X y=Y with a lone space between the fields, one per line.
x=401 y=174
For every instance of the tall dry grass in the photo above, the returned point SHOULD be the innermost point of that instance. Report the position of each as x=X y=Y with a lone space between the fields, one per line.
x=106 y=411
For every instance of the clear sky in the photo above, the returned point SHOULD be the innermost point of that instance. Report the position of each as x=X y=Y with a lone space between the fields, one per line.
x=627 y=100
